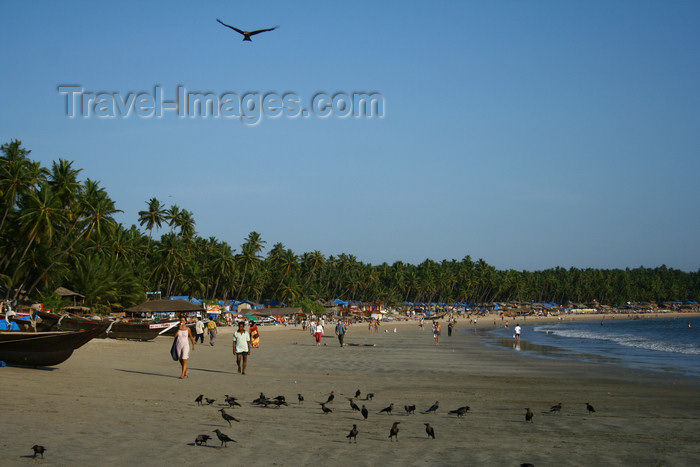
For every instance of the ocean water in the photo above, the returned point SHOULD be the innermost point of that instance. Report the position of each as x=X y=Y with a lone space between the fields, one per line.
x=659 y=344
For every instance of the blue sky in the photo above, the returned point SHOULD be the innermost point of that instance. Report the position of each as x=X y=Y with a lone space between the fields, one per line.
x=530 y=134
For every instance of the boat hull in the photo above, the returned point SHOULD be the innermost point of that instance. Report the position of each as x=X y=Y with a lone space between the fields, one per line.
x=41 y=348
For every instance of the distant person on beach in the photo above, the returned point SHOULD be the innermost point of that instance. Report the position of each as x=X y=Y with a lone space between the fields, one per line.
x=254 y=334
x=517 y=333
x=318 y=334
x=436 y=333
x=241 y=347
x=449 y=328
x=371 y=326
x=199 y=330
x=340 y=330
x=211 y=326
x=182 y=347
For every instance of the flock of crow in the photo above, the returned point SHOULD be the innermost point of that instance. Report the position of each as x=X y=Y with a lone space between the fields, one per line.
x=276 y=402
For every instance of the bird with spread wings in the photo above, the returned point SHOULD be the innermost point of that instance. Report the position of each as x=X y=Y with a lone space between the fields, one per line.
x=246 y=34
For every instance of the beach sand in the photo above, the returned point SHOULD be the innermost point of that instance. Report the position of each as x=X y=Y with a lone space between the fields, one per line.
x=117 y=402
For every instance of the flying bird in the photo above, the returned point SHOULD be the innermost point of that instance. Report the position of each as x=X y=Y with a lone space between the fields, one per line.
x=430 y=430
x=223 y=437
x=590 y=408
x=394 y=432
x=38 y=450
x=528 y=415
x=202 y=439
x=246 y=34
x=228 y=417
x=353 y=433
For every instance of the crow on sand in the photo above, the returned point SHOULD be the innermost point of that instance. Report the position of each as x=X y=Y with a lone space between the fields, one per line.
x=300 y=398
x=528 y=415
x=429 y=429
x=228 y=417
x=330 y=398
x=410 y=409
x=223 y=437
x=202 y=439
x=325 y=409
x=387 y=409
x=394 y=432
x=364 y=412
x=555 y=408
x=353 y=433
x=433 y=408
x=460 y=412
x=590 y=408
x=38 y=450
x=353 y=406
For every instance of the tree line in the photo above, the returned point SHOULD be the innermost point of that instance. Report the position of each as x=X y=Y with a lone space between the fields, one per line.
x=58 y=230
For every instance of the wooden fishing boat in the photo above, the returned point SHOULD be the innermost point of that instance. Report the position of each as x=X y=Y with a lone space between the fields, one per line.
x=41 y=348
x=142 y=330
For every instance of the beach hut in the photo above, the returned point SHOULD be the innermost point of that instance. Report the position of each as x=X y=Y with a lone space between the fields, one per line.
x=66 y=293
x=165 y=306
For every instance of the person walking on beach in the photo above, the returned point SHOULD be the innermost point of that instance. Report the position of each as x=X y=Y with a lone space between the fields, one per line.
x=241 y=347
x=199 y=330
x=182 y=347
x=340 y=330
x=254 y=334
x=211 y=327
x=436 y=332
x=517 y=334
x=449 y=328
x=318 y=333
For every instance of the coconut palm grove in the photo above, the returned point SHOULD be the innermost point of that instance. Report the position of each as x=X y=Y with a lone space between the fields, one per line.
x=57 y=229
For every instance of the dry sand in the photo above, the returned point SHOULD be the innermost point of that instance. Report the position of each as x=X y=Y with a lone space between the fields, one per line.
x=119 y=402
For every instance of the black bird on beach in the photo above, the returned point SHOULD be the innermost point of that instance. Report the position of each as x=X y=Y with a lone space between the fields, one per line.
x=387 y=409
x=38 y=450
x=280 y=402
x=429 y=429
x=357 y=394
x=460 y=412
x=528 y=415
x=223 y=437
x=300 y=398
x=353 y=433
x=555 y=408
x=246 y=34
x=433 y=408
x=364 y=412
x=262 y=400
x=228 y=417
x=209 y=401
x=410 y=409
x=369 y=396
x=202 y=439
x=325 y=409
x=330 y=397
x=281 y=398
x=199 y=398
x=394 y=433
x=590 y=408
x=353 y=406
x=231 y=401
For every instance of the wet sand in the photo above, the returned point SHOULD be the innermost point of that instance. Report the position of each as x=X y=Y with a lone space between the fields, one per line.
x=117 y=402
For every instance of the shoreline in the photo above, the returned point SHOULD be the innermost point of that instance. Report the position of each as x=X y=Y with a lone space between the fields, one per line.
x=123 y=401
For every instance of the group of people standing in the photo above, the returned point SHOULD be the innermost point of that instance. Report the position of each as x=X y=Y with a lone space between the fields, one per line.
x=316 y=329
x=243 y=342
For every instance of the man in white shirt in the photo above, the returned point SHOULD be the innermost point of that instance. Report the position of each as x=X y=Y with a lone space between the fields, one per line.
x=517 y=334
x=199 y=330
x=241 y=346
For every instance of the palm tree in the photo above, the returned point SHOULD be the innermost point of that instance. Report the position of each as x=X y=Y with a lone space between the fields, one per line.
x=250 y=255
x=152 y=218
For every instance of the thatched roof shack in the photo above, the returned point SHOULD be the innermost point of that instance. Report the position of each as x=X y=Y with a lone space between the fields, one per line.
x=165 y=306
x=64 y=292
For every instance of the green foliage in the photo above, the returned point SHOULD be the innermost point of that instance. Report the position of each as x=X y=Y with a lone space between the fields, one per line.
x=309 y=306
x=56 y=230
